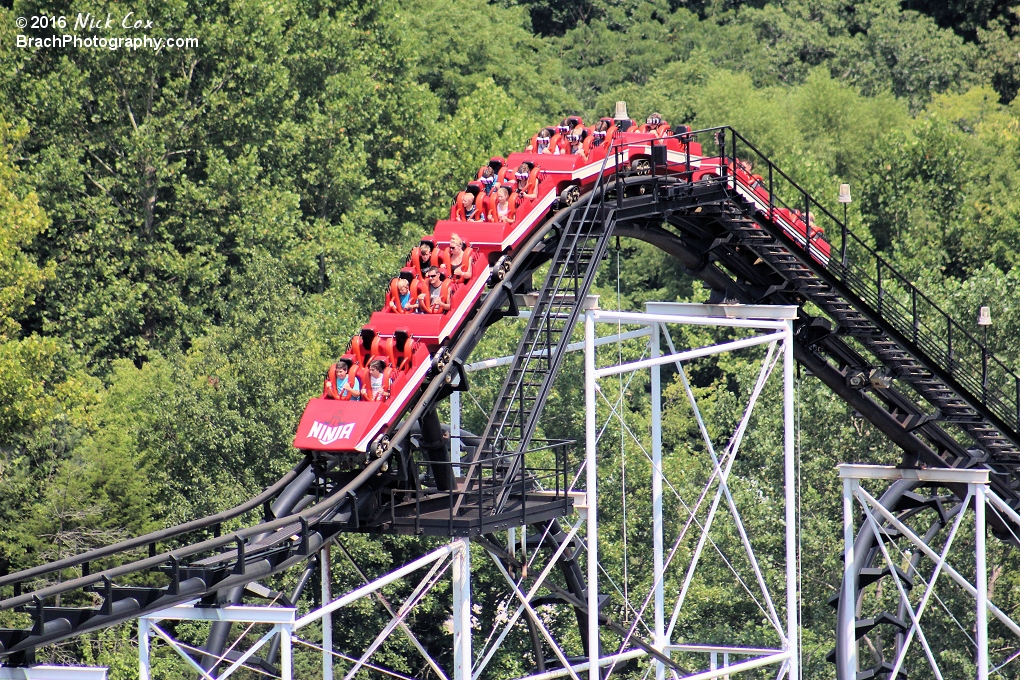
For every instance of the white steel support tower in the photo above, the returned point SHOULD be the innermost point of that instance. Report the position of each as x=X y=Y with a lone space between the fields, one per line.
x=767 y=329
x=888 y=527
x=768 y=326
x=44 y=672
x=280 y=620
x=285 y=622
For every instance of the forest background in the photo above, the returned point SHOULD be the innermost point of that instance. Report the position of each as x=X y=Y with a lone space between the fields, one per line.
x=188 y=238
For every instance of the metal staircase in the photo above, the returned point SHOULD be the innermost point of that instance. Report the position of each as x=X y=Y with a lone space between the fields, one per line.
x=913 y=347
x=500 y=487
x=583 y=243
x=866 y=331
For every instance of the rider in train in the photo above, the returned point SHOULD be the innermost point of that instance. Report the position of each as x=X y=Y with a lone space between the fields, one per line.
x=435 y=299
x=527 y=180
x=575 y=140
x=460 y=257
x=426 y=255
x=600 y=132
x=341 y=381
x=654 y=124
x=564 y=129
x=401 y=299
x=503 y=209
x=488 y=179
x=546 y=141
x=469 y=204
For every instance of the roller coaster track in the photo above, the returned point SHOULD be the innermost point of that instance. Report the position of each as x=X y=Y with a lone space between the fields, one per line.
x=864 y=330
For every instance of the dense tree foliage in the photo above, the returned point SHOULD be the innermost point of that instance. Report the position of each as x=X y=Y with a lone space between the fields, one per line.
x=187 y=237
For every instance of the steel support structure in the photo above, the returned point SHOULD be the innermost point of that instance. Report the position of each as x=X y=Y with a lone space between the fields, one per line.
x=286 y=624
x=765 y=326
x=281 y=620
x=775 y=327
x=52 y=673
x=770 y=326
x=884 y=523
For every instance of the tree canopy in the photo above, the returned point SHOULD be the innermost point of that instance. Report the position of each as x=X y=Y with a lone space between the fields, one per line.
x=189 y=236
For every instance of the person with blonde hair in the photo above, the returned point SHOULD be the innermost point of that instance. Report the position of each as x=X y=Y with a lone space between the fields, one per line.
x=460 y=259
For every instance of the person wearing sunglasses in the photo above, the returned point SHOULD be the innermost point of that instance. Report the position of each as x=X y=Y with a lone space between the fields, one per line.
x=460 y=259
x=654 y=124
x=436 y=299
x=575 y=140
x=527 y=180
x=563 y=130
x=488 y=179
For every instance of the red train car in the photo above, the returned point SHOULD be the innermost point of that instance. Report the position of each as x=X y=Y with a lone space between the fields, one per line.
x=545 y=181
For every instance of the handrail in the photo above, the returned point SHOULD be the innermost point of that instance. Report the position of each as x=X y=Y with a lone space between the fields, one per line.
x=156 y=536
x=984 y=378
x=549 y=293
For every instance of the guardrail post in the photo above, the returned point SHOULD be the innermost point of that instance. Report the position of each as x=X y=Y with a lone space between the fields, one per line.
x=949 y=343
x=455 y=432
x=687 y=150
x=616 y=179
x=807 y=222
x=913 y=311
x=772 y=196
x=843 y=231
x=984 y=374
x=878 y=274
x=733 y=162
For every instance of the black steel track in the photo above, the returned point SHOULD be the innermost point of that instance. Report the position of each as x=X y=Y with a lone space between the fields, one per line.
x=204 y=568
x=881 y=345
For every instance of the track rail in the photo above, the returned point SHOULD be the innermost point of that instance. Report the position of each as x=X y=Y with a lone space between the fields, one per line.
x=887 y=349
x=248 y=554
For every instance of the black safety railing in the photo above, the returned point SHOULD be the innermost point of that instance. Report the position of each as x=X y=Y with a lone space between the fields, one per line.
x=534 y=479
x=89 y=568
x=523 y=395
x=924 y=328
x=167 y=576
